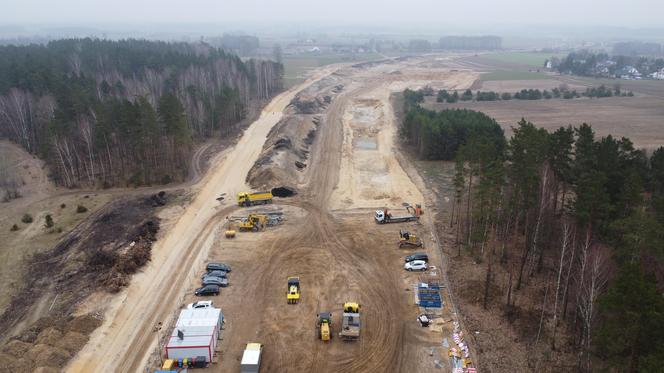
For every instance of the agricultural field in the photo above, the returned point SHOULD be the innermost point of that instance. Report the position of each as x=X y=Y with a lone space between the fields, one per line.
x=639 y=118
x=296 y=67
x=532 y=59
x=514 y=75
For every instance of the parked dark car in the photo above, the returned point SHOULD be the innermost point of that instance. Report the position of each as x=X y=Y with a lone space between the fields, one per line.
x=417 y=256
x=207 y=290
x=210 y=280
x=221 y=274
x=218 y=267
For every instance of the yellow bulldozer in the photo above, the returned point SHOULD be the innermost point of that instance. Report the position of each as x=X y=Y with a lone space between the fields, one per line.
x=324 y=326
x=253 y=222
x=293 y=293
x=408 y=239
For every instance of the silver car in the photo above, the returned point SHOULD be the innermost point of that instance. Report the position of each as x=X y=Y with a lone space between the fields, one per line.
x=213 y=280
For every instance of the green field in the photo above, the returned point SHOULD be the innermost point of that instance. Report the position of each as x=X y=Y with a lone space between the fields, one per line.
x=297 y=67
x=533 y=59
x=513 y=75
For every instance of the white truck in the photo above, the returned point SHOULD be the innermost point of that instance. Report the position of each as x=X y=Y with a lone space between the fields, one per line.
x=251 y=359
x=384 y=216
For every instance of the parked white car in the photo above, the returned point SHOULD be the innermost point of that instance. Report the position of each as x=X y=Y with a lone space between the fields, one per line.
x=416 y=265
x=201 y=304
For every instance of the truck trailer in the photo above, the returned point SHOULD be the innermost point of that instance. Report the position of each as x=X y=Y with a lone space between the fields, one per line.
x=384 y=216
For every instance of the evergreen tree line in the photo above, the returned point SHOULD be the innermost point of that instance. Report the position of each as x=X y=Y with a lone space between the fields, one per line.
x=438 y=135
x=582 y=220
x=531 y=94
x=103 y=112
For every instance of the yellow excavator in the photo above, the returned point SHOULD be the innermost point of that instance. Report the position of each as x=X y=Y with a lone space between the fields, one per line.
x=324 y=326
x=293 y=294
x=253 y=222
x=408 y=239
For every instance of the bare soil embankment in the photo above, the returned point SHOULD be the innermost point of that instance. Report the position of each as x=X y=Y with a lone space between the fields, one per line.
x=100 y=253
x=285 y=156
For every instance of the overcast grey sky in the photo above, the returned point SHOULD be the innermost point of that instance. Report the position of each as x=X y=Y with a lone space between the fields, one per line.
x=427 y=13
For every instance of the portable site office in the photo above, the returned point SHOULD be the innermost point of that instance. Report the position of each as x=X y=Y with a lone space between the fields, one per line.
x=192 y=342
x=201 y=317
x=195 y=334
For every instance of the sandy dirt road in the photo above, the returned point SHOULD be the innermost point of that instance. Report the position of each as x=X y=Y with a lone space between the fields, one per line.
x=123 y=341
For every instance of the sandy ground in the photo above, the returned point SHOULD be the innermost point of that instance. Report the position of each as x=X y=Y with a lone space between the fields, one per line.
x=332 y=244
x=338 y=251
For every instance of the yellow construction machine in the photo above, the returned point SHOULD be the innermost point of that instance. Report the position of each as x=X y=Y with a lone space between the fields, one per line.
x=230 y=230
x=324 y=326
x=408 y=239
x=253 y=222
x=293 y=294
x=258 y=198
x=350 y=322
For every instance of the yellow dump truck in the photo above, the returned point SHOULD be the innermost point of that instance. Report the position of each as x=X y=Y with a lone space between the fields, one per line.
x=250 y=199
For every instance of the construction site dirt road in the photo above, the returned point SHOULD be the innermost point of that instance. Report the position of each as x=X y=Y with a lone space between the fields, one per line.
x=329 y=239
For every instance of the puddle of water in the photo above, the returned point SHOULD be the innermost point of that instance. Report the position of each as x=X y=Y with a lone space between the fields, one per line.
x=367 y=144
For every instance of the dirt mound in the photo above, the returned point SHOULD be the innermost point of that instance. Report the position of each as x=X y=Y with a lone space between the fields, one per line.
x=49 y=336
x=316 y=98
x=49 y=356
x=46 y=370
x=73 y=341
x=305 y=104
x=16 y=348
x=84 y=324
x=285 y=152
x=48 y=344
x=283 y=191
x=284 y=158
